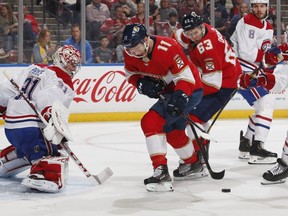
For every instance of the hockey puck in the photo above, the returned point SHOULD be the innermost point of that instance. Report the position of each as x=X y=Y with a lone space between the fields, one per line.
x=226 y=190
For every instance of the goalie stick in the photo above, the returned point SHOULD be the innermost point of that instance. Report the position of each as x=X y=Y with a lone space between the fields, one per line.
x=101 y=177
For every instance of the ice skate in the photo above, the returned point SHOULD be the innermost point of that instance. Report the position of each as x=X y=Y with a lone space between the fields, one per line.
x=244 y=147
x=160 y=181
x=259 y=155
x=277 y=174
x=189 y=171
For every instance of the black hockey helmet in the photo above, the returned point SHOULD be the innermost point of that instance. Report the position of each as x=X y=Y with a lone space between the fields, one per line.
x=133 y=34
x=191 y=21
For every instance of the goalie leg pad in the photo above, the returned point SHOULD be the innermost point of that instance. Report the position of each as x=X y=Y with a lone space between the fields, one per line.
x=10 y=164
x=49 y=174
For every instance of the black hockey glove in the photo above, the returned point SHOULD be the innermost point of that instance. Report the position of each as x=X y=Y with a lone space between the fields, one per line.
x=177 y=103
x=151 y=88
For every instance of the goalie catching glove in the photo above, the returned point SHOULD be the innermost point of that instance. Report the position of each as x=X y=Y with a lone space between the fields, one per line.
x=150 y=87
x=266 y=80
x=57 y=119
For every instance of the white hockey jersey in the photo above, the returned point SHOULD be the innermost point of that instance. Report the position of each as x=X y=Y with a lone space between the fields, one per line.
x=252 y=38
x=42 y=85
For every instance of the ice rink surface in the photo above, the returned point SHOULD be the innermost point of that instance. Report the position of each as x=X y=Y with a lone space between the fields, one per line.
x=121 y=146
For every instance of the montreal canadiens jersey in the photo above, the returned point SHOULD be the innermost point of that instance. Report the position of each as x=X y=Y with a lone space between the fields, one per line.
x=42 y=85
x=252 y=38
x=168 y=62
x=214 y=57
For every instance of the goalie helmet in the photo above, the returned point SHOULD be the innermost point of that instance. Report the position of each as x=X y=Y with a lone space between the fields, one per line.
x=68 y=58
x=191 y=21
x=133 y=34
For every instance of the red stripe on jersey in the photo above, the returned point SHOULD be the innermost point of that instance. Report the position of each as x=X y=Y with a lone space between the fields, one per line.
x=23 y=116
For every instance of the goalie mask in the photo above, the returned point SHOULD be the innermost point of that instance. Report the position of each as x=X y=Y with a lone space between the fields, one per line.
x=68 y=59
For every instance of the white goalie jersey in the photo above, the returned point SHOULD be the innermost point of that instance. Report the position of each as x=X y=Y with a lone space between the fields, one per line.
x=43 y=85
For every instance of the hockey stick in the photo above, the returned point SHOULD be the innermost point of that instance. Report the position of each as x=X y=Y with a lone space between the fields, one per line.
x=204 y=134
x=214 y=175
x=222 y=108
x=101 y=177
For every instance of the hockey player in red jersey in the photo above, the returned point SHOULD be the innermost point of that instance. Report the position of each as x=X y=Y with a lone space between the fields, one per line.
x=158 y=67
x=275 y=80
x=251 y=39
x=219 y=67
x=34 y=145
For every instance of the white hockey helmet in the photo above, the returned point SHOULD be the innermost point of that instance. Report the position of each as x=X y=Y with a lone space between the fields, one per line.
x=259 y=2
x=68 y=58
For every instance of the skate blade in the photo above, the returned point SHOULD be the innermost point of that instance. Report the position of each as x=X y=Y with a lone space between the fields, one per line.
x=262 y=160
x=160 y=187
x=266 y=182
x=192 y=176
x=244 y=155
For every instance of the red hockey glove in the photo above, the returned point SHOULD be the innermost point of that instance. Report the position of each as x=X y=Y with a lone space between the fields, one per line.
x=273 y=56
x=246 y=81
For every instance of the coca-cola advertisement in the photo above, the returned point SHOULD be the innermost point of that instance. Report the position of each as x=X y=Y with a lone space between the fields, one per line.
x=105 y=89
x=102 y=92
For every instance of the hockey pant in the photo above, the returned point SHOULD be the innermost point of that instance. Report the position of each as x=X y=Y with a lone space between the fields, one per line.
x=159 y=128
x=30 y=143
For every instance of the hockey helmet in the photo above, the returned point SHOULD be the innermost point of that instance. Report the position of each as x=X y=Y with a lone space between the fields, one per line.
x=191 y=21
x=259 y=2
x=133 y=34
x=68 y=58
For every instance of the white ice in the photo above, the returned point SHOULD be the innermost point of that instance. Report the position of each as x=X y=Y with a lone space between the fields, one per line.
x=121 y=146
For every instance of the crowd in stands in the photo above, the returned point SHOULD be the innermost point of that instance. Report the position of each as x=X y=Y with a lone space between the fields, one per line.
x=105 y=21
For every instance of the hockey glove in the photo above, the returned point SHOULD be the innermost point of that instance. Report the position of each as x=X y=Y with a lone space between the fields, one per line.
x=265 y=80
x=151 y=88
x=50 y=131
x=273 y=56
x=177 y=103
x=246 y=81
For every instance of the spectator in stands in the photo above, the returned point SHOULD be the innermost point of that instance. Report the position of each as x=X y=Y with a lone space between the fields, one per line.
x=102 y=53
x=75 y=40
x=44 y=48
x=235 y=9
x=140 y=17
x=221 y=7
x=119 y=53
x=8 y=28
x=188 y=6
x=153 y=9
x=29 y=18
x=113 y=28
x=165 y=9
x=96 y=14
x=173 y=23
x=221 y=24
x=206 y=12
x=243 y=10
x=128 y=8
